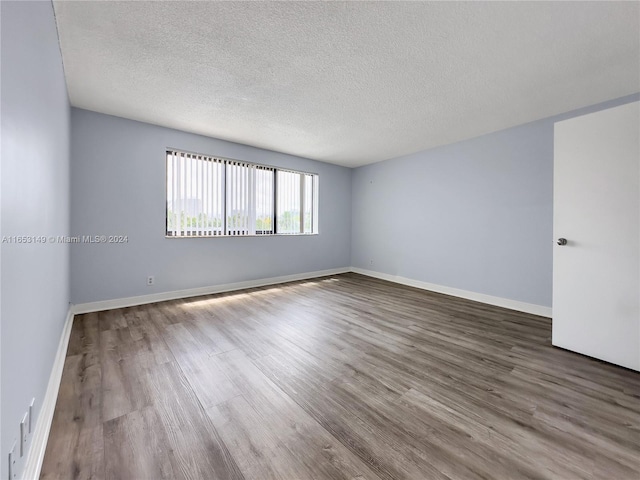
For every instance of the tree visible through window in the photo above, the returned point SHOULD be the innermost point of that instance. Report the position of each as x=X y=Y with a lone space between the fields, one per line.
x=208 y=196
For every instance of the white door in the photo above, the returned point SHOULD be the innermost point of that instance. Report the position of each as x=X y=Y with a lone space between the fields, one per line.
x=596 y=274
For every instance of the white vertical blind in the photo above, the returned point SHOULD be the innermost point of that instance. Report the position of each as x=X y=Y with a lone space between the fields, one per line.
x=194 y=195
x=217 y=189
x=265 y=176
x=241 y=198
x=208 y=196
x=316 y=201
x=289 y=201
x=308 y=204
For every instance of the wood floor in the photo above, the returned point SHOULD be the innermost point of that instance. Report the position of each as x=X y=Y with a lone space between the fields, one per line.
x=343 y=377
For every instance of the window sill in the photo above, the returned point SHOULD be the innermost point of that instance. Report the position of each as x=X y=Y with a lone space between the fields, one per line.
x=175 y=237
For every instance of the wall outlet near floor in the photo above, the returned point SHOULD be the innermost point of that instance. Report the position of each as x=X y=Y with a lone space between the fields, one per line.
x=33 y=401
x=370 y=262
x=24 y=431
x=151 y=280
x=12 y=462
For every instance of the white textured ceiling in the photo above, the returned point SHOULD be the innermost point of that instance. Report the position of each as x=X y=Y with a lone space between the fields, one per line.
x=346 y=82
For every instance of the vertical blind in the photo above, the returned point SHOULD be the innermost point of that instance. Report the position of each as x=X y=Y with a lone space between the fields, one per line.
x=195 y=201
x=288 y=204
x=208 y=196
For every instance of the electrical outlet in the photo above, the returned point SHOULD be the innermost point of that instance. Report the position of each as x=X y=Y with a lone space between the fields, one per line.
x=370 y=262
x=12 y=462
x=151 y=280
x=33 y=401
x=24 y=428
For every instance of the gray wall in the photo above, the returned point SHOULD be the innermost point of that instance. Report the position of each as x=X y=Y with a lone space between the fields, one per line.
x=118 y=188
x=35 y=201
x=475 y=215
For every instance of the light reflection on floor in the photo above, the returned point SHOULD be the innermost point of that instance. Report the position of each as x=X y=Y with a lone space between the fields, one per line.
x=227 y=297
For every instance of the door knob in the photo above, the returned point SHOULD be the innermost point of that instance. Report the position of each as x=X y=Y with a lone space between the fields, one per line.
x=562 y=241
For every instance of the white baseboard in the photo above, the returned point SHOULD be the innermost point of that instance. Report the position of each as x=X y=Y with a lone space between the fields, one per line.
x=35 y=457
x=455 y=292
x=195 y=292
x=33 y=464
x=229 y=287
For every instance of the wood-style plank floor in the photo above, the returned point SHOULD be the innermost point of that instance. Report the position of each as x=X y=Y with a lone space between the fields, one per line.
x=343 y=377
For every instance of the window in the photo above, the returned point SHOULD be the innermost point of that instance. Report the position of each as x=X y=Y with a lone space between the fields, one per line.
x=211 y=197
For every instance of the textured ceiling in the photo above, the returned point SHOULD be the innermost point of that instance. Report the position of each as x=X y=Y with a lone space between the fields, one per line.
x=346 y=82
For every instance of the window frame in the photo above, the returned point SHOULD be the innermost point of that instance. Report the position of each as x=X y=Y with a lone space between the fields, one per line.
x=315 y=182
